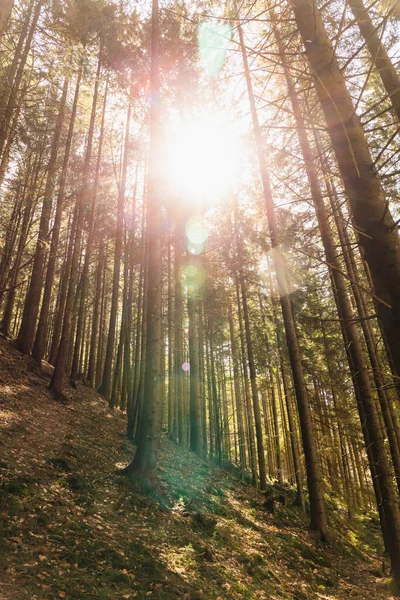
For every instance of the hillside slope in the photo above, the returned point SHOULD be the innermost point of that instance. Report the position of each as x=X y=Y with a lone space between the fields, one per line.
x=71 y=528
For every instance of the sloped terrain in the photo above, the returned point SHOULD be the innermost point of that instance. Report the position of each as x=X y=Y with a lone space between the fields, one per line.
x=72 y=528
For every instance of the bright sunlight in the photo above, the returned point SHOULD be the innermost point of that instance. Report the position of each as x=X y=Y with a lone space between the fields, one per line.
x=203 y=160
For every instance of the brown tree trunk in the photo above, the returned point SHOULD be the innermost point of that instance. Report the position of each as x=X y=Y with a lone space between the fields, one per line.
x=178 y=342
x=364 y=395
x=145 y=460
x=314 y=481
x=5 y=14
x=105 y=387
x=27 y=330
x=84 y=281
x=387 y=71
x=238 y=399
x=171 y=349
x=193 y=290
x=15 y=85
x=38 y=349
x=81 y=203
x=254 y=390
x=249 y=412
x=378 y=233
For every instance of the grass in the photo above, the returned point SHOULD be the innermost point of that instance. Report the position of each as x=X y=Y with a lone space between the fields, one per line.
x=72 y=528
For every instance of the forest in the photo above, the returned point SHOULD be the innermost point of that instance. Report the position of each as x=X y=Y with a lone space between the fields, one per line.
x=200 y=256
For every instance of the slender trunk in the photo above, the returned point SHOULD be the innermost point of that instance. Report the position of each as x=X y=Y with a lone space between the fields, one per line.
x=105 y=387
x=15 y=86
x=193 y=284
x=252 y=441
x=364 y=393
x=38 y=349
x=387 y=71
x=178 y=345
x=254 y=389
x=216 y=401
x=84 y=281
x=314 y=481
x=27 y=330
x=238 y=399
x=171 y=349
x=96 y=318
x=81 y=203
x=145 y=460
x=63 y=286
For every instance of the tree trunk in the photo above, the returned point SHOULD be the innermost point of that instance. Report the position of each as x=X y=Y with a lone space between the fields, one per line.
x=254 y=390
x=193 y=283
x=238 y=399
x=378 y=233
x=105 y=387
x=15 y=85
x=145 y=460
x=81 y=203
x=387 y=71
x=252 y=441
x=41 y=333
x=5 y=14
x=27 y=330
x=314 y=481
x=84 y=281
x=178 y=342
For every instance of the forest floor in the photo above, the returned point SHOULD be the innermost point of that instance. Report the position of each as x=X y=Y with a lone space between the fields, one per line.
x=72 y=528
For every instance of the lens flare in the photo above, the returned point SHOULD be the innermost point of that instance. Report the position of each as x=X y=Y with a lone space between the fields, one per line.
x=213 y=39
x=196 y=231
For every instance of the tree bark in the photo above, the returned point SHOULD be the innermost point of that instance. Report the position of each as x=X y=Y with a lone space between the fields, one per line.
x=387 y=71
x=314 y=481
x=105 y=387
x=378 y=232
x=81 y=203
x=27 y=330
x=145 y=460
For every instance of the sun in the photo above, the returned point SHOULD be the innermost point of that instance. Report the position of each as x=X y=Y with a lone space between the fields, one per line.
x=202 y=160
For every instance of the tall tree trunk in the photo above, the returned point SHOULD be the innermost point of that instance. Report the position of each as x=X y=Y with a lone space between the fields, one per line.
x=91 y=374
x=193 y=284
x=27 y=330
x=252 y=441
x=63 y=285
x=377 y=367
x=81 y=203
x=364 y=394
x=291 y=417
x=215 y=398
x=89 y=243
x=254 y=389
x=105 y=387
x=145 y=459
x=38 y=349
x=238 y=399
x=15 y=85
x=387 y=71
x=378 y=232
x=314 y=481
x=178 y=342
x=171 y=349
x=5 y=14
